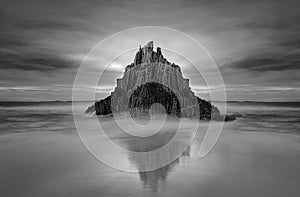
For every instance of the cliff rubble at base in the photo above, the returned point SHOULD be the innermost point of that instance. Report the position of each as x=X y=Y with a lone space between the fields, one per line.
x=152 y=79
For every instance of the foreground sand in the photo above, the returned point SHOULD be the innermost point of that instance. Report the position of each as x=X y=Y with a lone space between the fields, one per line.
x=241 y=164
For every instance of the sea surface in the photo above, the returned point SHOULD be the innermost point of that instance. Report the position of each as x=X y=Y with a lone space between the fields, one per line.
x=42 y=155
x=57 y=116
x=278 y=117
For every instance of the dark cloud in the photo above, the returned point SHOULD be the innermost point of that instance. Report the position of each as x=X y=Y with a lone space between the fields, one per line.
x=35 y=62
x=33 y=34
x=278 y=29
x=10 y=43
x=40 y=36
x=268 y=62
x=20 y=49
x=289 y=41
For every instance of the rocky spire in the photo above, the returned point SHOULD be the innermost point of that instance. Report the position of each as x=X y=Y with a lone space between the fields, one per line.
x=146 y=55
x=152 y=79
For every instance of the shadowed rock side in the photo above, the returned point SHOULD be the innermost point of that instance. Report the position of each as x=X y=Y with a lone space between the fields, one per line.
x=146 y=95
x=152 y=79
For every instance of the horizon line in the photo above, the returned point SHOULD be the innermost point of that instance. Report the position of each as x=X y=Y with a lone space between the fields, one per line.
x=37 y=101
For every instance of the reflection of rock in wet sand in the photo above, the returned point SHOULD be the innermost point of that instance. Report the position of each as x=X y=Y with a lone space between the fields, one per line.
x=154 y=178
x=135 y=143
x=154 y=157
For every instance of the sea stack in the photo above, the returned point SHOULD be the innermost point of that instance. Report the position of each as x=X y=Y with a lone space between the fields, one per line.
x=151 y=79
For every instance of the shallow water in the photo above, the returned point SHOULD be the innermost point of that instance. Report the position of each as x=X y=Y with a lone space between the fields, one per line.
x=266 y=117
x=42 y=155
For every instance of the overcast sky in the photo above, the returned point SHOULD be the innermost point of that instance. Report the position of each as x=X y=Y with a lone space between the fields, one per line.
x=256 y=44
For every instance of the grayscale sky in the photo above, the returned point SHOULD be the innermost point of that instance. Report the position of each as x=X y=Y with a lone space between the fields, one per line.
x=256 y=44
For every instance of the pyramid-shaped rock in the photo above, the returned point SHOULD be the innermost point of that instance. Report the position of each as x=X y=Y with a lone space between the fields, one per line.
x=151 y=80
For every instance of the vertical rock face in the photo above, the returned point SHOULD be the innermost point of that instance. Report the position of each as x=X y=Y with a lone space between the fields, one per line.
x=152 y=79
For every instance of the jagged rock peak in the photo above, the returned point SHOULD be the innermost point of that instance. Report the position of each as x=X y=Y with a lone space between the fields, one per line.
x=149 y=46
x=147 y=55
x=152 y=79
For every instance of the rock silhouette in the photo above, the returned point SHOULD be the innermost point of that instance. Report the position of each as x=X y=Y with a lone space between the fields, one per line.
x=152 y=79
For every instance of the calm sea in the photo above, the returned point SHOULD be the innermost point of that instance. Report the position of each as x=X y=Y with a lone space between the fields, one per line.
x=18 y=117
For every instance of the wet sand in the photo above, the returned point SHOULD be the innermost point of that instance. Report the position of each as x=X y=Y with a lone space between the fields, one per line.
x=241 y=164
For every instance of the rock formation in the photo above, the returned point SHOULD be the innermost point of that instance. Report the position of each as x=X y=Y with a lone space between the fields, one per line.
x=152 y=79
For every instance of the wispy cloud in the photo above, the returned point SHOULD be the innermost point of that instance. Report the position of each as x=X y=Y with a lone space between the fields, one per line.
x=43 y=42
x=267 y=62
x=38 y=62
